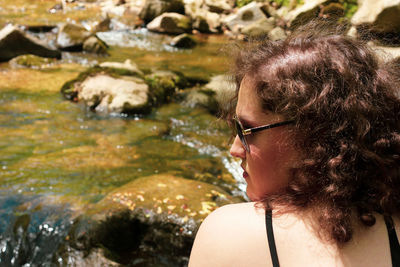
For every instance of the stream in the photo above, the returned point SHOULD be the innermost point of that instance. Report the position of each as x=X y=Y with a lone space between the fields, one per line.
x=57 y=157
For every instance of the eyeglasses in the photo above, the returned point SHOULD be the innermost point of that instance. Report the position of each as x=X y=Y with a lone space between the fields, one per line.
x=241 y=132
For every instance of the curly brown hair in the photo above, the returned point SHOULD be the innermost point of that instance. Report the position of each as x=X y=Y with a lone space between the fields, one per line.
x=346 y=108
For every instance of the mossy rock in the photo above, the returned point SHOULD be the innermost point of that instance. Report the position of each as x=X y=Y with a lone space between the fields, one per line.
x=165 y=194
x=69 y=90
x=163 y=84
x=31 y=61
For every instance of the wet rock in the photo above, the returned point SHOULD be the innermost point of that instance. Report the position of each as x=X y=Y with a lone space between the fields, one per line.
x=183 y=41
x=31 y=61
x=172 y=23
x=259 y=28
x=71 y=37
x=94 y=45
x=381 y=17
x=276 y=34
x=156 y=214
x=154 y=8
x=14 y=42
x=245 y=16
x=304 y=13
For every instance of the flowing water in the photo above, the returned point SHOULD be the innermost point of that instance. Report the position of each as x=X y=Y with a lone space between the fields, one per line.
x=59 y=153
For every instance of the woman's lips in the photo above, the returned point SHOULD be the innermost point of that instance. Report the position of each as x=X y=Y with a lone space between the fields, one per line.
x=245 y=175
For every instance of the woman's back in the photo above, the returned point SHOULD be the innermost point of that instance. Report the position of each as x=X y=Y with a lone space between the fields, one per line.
x=235 y=235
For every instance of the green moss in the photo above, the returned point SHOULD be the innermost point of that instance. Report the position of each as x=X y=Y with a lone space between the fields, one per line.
x=350 y=7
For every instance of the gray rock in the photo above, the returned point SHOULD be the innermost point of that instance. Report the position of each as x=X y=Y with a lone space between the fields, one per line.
x=94 y=45
x=154 y=8
x=383 y=16
x=107 y=94
x=245 y=16
x=259 y=28
x=71 y=37
x=172 y=23
x=183 y=40
x=14 y=42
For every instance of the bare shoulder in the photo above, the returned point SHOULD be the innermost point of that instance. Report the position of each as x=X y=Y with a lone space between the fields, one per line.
x=231 y=235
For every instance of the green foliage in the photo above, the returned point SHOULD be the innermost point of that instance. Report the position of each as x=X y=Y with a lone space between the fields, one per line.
x=350 y=7
x=241 y=3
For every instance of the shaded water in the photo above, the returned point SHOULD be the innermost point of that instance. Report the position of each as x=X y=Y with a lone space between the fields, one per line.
x=56 y=152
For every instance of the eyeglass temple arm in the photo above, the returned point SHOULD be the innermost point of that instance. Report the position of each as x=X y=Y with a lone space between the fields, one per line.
x=264 y=127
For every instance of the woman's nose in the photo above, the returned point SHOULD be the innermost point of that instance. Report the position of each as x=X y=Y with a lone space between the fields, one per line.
x=237 y=149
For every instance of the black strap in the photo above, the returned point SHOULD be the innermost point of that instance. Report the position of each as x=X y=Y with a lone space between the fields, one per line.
x=393 y=241
x=271 y=239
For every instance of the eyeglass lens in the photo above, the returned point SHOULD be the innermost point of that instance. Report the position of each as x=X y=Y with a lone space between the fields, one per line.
x=239 y=130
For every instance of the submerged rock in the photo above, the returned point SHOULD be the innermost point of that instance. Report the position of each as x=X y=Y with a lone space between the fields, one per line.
x=14 y=42
x=172 y=23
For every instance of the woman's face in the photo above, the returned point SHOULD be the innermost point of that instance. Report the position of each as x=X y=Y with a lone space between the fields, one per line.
x=266 y=166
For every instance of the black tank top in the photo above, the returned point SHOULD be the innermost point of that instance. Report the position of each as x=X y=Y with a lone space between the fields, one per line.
x=393 y=241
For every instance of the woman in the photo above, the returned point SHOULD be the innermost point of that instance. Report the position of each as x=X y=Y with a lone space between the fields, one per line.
x=318 y=136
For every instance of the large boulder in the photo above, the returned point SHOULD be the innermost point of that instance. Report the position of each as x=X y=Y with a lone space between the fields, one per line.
x=381 y=16
x=14 y=42
x=157 y=214
x=71 y=37
x=172 y=23
x=245 y=16
x=154 y=8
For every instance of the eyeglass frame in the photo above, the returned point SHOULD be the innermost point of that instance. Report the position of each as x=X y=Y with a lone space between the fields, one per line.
x=242 y=132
